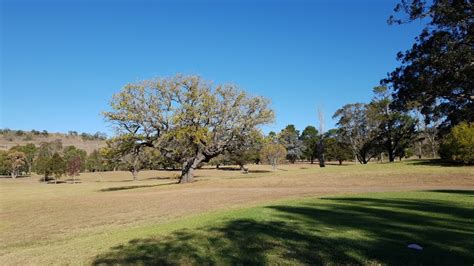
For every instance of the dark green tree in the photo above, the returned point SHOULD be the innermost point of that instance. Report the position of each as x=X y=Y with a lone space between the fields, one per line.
x=4 y=168
x=336 y=148
x=437 y=73
x=310 y=139
x=57 y=166
x=94 y=162
x=45 y=153
x=396 y=129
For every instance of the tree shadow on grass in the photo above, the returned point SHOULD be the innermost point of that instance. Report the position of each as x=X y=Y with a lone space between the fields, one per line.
x=454 y=191
x=133 y=187
x=333 y=230
x=435 y=162
x=10 y=177
x=238 y=169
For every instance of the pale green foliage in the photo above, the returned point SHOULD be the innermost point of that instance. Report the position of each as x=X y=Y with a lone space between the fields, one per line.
x=459 y=144
x=273 y=153
x=188 y=119
x=358 y=130
x=30 y=152
x=16 y=160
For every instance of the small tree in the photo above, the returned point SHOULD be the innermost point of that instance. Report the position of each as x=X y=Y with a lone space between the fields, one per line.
x=273 y=153
x=459 y=144
x=129 y=152
x=74 y=166
x=45 y=153
x=30 y=151
x=358 y=130
x=16 y=161
x=336 y=148
x=94 y=162
x=289 y=137
x=57 y=166
x=310 y=138
x=247 y=152
x=4 y=167
x=71 y=153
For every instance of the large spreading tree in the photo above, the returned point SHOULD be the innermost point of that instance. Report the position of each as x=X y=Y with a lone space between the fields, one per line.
x=187 y=118
x=437 y=73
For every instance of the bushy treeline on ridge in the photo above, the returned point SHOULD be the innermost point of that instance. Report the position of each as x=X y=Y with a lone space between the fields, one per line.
x=24 y=135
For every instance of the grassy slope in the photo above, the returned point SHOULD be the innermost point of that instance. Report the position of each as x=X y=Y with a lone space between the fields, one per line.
x=366 y=228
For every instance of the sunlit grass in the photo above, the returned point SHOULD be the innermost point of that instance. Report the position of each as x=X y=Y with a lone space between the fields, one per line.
x=361 y=229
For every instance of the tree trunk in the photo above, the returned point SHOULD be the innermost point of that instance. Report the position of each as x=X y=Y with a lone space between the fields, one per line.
x=187 y=174
x=13 y=174
x=419 y=149
x=391 y=156
x=340 y=162
x=322 y=163
x=134 y=174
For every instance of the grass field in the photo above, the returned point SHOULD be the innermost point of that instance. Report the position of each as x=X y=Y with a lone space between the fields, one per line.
x=108 y=218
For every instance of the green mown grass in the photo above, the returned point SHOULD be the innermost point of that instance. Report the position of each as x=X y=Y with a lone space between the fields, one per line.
x=362 y=229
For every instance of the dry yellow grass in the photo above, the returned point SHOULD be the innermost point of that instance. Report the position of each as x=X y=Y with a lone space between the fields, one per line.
x=40 y=223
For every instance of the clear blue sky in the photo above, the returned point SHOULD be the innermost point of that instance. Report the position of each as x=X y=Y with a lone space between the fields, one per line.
x=61 y=61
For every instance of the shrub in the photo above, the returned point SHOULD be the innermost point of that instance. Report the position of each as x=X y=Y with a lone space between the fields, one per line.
x=459 y=144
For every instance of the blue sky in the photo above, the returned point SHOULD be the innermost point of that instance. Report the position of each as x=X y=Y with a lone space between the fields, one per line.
x=61 y=61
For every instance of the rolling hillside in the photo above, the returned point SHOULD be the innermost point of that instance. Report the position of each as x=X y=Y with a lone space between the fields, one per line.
x=87 y=142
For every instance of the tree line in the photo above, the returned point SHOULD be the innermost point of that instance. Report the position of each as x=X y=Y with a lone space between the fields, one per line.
x=30 y=135
x=425 y=106
x=49 y=159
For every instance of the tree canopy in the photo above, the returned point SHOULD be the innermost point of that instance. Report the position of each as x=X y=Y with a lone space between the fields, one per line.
x=437 y=73
x=188 y=119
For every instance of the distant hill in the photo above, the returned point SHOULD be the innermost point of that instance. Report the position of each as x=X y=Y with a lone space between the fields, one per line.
x=85 y=141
